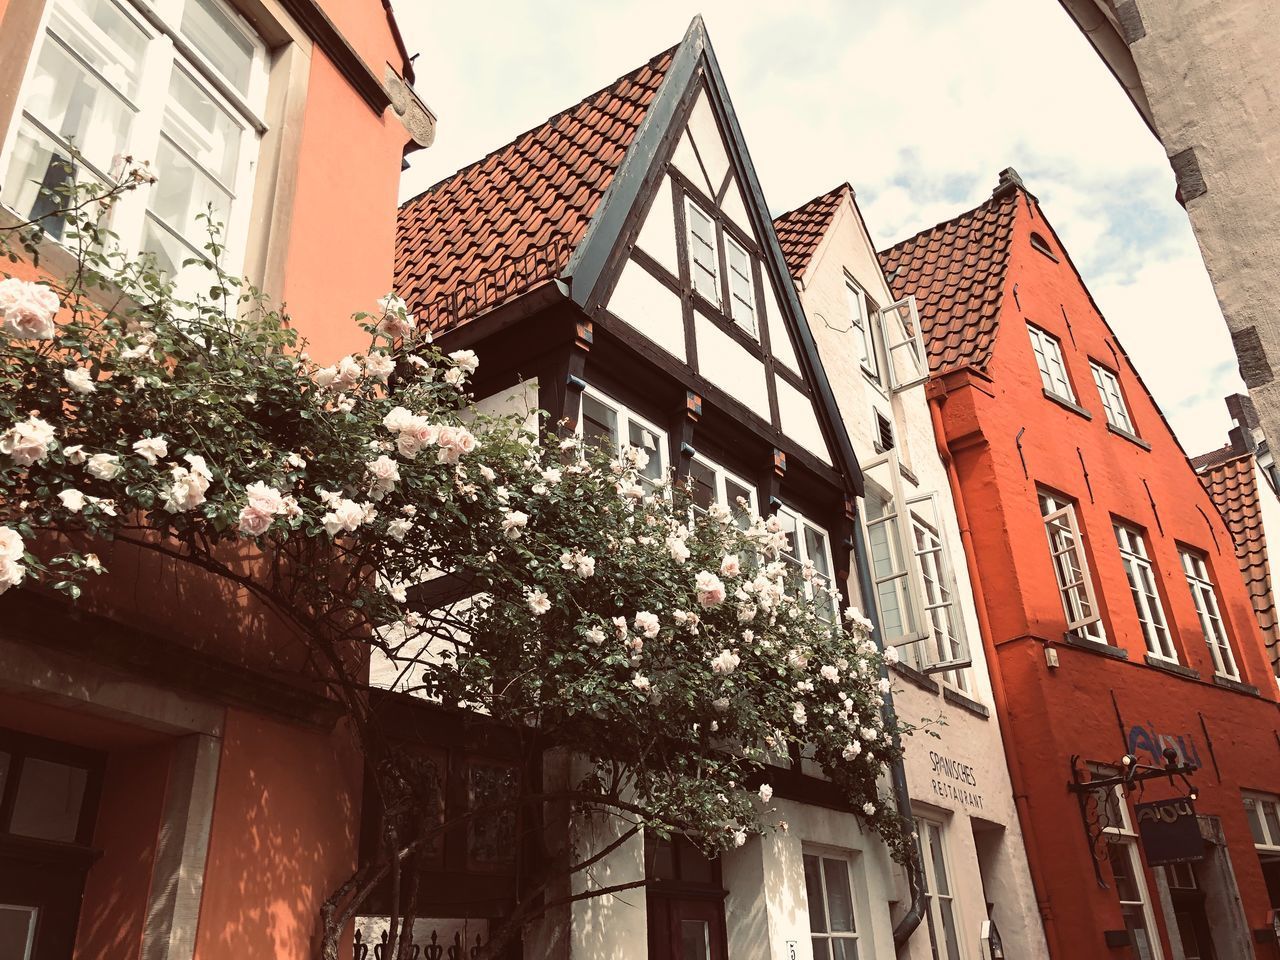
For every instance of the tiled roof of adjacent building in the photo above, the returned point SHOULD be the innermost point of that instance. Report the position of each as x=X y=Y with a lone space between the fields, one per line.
x=1233 y=486
x=801 y=230
x=512 y=219
x=1215 y=458
x=956 y=271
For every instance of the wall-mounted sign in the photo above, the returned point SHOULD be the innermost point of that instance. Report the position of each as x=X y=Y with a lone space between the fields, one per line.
x=953 y=780
x=1169 y=830
x=1148 y=745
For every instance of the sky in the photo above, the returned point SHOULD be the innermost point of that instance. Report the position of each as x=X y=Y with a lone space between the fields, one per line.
x=917 y=103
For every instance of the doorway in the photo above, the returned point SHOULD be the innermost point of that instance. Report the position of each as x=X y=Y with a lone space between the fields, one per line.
x=1191 y=919
x=685 y=901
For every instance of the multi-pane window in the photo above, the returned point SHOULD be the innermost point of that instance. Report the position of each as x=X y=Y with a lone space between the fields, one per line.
x=1146 y=598
x=939 y=898
x=833 y=923
x=1206 y=601
x=890 y=567
x=863 y=335
x=704 y=257
x=809 y=546
x=945 y=643
x=1129 y=882
x=179 y=84
x=1264 y=823
x=742 y=285
x=903 y=344
x=1112 y=399
x=1071 y=569
x=1053 y=371
x=710 y=483
x=608 y=424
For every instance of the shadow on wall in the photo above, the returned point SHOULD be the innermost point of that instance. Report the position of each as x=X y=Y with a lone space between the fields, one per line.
x=285 y=835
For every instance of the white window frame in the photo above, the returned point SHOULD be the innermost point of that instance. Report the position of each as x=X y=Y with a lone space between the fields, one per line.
x=803 y=555
x=902 y=338
x=159 y=22
x=1079 y=602
x=1265 y=839
x=939 y=597
x=1205 y=597
x=861 y=323
x=1143 y=585
x=1053 y=368
x=848 y=860
x=931 y=836
x=1113 y=404
x=1122 y=835
x=713 y=295
x=741 y=311
x=626 y=418
x=721 y=478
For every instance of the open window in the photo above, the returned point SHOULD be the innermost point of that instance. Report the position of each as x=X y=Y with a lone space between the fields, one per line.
x=904 y=347
x=911 y=573
x=1070 y=566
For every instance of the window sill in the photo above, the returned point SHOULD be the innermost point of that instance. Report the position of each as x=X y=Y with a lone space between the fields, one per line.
x=1094 y=646
x=1229 y=684
x=915 y=677
x=1171 y=667
x=1131 y=437
x=965 y=702
x=1067 y=404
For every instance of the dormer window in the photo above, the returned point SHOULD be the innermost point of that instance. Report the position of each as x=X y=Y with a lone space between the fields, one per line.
x=704 y=262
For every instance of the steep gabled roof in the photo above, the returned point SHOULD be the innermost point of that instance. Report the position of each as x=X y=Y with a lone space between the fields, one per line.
x=802 y=229
x=1233 y=486
x=956 y=271
x=1215 y=458
x=513 y=219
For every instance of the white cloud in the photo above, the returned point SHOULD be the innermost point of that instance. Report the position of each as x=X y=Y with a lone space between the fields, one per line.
x=918 y=104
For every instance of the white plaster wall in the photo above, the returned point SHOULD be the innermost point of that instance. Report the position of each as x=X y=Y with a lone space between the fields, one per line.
x=654 y=310
x=658 y=235
x=965 y=738
x=706 y=137
x=779 y=339
x=736 y=208
x=728 y=365
x=613 y=926
x=799 y=420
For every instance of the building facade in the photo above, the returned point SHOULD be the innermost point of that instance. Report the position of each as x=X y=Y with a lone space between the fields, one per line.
x=1121 y=640
x=1200 y=74
x=171 y=787
x=617 y=268
x=976 y=874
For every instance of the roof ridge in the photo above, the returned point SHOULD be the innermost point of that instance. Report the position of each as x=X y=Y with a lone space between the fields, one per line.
x=651 y=62
x=812 y=200
x=1011 y=195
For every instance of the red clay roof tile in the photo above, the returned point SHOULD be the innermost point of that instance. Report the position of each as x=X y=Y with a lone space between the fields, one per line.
x=1233 y=487
x=513 y=218
x=956 y=271
x=801 y=230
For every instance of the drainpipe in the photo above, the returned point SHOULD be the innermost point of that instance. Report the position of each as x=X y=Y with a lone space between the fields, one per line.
x=993 y=667
x=905 y=927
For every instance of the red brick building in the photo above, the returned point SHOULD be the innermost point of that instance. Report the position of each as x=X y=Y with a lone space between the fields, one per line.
x=1116 y=622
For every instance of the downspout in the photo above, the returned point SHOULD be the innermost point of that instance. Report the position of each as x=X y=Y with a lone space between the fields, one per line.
x=905 y=927
x=994 y=669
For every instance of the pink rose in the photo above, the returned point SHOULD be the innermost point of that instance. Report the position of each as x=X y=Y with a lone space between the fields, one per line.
x=254 y=522
x=28 y=309
x=27 y=442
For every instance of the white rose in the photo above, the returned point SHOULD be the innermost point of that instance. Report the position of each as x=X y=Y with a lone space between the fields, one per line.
x=27 y=442
x=28 y=309
x=79 y=379
x=151 y=449
x=11 y=572
x=11 y=544
x=384 y=474
x=538 y=602
x=640 y=682
x=513 y=524
x=379 y=366
x=647 y=623
x=766 y=793
x=104 y=466
x=399 y=529
x=465 y=360
x=72 y=500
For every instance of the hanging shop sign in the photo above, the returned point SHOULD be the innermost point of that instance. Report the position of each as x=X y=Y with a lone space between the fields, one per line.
x=1170 y=831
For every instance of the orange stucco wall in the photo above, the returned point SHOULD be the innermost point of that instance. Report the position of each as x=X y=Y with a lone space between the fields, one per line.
x=285 y=828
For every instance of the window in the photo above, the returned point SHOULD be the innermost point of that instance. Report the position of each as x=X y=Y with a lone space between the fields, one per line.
x=904 y=347
x=1146 y=598
x=1070 y=568
x=611 y=426
x=1129 y=883
x=1264 y=823
x=1112 y=399
x=912 y=578
x=833 y=921
x=105 y=82
x=863 y=335
x=710 y=483
x=1206 y=600
x=742 y=285
x=47 y=789
x=1053 y=372
x=704 y=259
x=939 y=899
x=1042 y=246
x=945 y=643
x=809 y=545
